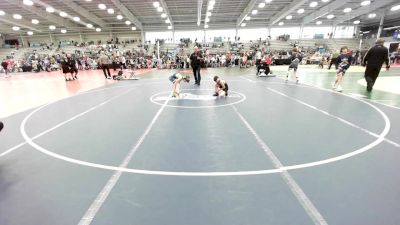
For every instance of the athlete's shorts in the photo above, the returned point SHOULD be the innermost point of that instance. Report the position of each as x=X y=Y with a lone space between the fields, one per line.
x=342 y=70
x=294 y=67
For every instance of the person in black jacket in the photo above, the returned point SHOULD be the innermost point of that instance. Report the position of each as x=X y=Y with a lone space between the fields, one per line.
x=195 y=62
x=374 y=60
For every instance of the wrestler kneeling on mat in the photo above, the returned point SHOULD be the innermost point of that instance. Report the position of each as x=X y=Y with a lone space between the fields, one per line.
x=176 y=79
x=221 y=87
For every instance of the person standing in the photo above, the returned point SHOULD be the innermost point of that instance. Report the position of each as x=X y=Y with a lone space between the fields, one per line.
x=374 y=60
x=4 y=64
x=104 y=63
x=195 y=62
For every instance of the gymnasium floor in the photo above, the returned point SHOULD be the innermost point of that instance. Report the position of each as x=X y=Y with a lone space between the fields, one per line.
x=123 y=153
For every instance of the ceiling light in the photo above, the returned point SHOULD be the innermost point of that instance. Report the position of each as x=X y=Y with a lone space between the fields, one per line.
x=261 y=5
x=17 y=16
x=29 y=33
x=163 y=15
x=50 y=9
x=268 y=1
x=52 y=27
x=318 y=22
x=2 y=13
x=324 y=0
x=395 y=8
x=169 y=27
x=156 y=4
x=313 y=4
x=167 y=21
x=27 y=2
x=208 y=13
x=347 y=10
x=160 y=9
x=88 y=0
x=206 y=26
x=357 y=22
x=289 y=17
x=371 y=15
x=63 y=31
x=102 y=6
x=119 y=17
x=128 y=22
x=110 y=11
x=248 y=18
x=76 y=19
x=212 y=2
x=15 y=28
x=243 y=24
x=365 y=3
x=133 y=28
x=330 y=16
x=210 y=7
x=281 y=23
x=35 y=21
x=207 y=20
x=300 y=11
x=98 y=29
x=89 y=25
x=63 y=14
x=254 y=12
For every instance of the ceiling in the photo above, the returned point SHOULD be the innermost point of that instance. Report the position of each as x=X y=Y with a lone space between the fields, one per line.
x=184 y=14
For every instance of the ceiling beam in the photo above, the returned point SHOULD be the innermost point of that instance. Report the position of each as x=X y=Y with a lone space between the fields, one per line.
x=363 y=10
x=324 y=10
x=199 y=7
x=20 y=23
x=287 y=11
x=85 y=13
x=165 y=7
x=128 y=13
x=246 y=12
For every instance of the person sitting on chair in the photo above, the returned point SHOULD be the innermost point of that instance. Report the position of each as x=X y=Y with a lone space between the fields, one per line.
x=176 y=79
x=221 y=87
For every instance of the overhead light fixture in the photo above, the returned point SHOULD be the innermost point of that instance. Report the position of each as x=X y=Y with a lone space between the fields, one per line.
x=2 y=13
x=331 y=16
x=243 y=24
x=89 y=25
x=156 y=4
x=365 y=3
x=52 y=27
x=163 y=15
x=102 y=6
x=347 y=10
x=289 y=17
x=98 y=29
x=15 y=28
x=88 y=0
x=63 y=14
x=212 y=2
x=300 y=11
x=207 y=20
x=261 y=5
x=281 y=23
x=35 y=21
x=268 y=1
x=167 y=21
x=208 y=13
x=318 y=22
x=248 y=18
x=76 y=19
x=128 y=22
x=206 y=26
x=357 y=22
x=313 y=4
x=254 y=12
x=371 y=15
x=29 y=33
x=63 y=31
x=110 y=11
x=50 y=9
x=324 y=0
x=17 y=16
x=27 y=2
x=133 y=28
x=210 y=7
x=119 y=17
x=169 y=27
x=159 y=9
x=395 y=8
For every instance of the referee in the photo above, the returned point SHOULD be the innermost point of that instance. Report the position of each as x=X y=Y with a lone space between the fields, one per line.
x=374 y=60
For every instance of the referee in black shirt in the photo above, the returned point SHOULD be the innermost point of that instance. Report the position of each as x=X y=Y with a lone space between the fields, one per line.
x=195 y=62
x=374 y=60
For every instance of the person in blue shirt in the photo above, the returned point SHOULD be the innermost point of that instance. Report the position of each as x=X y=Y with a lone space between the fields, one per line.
x=343 y=64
